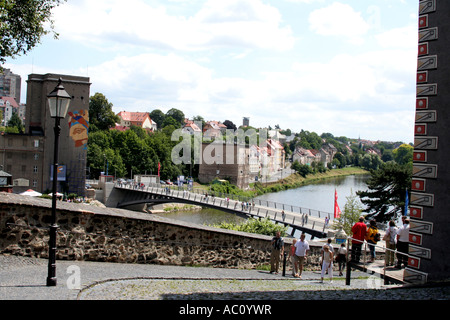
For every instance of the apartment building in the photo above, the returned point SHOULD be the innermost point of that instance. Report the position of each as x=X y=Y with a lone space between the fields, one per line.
x=28 y=157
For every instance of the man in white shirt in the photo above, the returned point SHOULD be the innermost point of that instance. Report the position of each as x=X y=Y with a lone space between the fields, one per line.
x=403 y=243
x=301 y=253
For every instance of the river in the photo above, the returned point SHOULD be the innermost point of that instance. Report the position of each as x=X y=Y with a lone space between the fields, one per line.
x=318 y=196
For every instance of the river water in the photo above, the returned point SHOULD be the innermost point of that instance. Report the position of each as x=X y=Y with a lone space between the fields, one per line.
x=318 y=196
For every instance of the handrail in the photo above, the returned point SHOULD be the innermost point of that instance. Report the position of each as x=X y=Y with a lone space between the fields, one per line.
x=396 y=252
x=224 y=202
x=269 y=204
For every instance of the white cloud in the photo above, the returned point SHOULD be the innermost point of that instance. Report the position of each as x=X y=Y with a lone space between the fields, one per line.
x=243 y=23
x=406 y=37
x=339 y=20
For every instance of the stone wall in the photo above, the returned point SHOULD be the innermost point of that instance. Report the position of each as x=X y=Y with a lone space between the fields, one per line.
x=114 y=235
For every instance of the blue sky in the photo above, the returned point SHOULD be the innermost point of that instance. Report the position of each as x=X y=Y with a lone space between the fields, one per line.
x=345 y=67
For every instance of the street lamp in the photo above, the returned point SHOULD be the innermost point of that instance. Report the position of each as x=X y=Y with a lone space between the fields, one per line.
x=58 y=101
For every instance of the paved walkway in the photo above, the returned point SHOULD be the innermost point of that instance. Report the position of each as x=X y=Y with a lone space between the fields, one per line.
x=24 y=279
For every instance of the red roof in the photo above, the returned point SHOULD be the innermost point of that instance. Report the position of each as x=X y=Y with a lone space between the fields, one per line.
x=133 y=116
x=11 y=100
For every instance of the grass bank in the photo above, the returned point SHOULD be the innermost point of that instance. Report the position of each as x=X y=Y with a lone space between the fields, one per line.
x=291 y=182
x=295 y=180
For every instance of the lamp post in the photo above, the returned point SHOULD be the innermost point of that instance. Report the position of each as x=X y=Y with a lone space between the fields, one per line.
x=58 y=101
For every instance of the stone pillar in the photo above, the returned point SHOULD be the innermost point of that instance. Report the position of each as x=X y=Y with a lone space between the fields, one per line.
x=430 y=190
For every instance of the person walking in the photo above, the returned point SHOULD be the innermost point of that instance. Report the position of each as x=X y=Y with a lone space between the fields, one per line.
x=330 y=246
x=327 y=263
x=403 y=243
x=277 y=252
x=359 y=231
x=391 y=242
x=292 y=258
x=301 y=253
x=341 y=258
x=371 y=237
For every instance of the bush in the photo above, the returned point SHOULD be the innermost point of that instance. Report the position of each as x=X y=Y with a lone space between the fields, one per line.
x=258 y=226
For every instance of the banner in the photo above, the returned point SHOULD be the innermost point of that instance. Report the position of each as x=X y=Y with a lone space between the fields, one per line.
x=337 y=210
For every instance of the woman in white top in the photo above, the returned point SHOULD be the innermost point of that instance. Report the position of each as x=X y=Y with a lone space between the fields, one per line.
x=391 y=241
x=327 y=263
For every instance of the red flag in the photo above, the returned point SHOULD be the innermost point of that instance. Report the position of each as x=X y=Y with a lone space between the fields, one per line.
x=159 y=168
x=337 y=211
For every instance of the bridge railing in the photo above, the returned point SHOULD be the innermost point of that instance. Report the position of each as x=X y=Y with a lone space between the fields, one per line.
x=281 y=214
x=365 y=258
x=261 y=202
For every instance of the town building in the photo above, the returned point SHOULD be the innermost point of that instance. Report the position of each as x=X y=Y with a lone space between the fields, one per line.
x=139 y=119
x=225 y=161
x=191 y=127
x=28 y=157
x=213 y=129
x=10 y=85
x=8 y=106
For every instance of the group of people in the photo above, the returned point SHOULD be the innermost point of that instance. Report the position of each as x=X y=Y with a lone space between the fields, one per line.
x=298 y=254
x=396 y=238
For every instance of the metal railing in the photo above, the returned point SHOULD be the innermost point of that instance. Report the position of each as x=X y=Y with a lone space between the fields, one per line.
x=255 y=207
x=366 y=251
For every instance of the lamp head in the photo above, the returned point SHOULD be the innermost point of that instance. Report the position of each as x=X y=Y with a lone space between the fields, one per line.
x=59 y=101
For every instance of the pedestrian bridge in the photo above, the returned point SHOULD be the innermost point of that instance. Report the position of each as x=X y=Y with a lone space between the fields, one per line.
x=295 y=218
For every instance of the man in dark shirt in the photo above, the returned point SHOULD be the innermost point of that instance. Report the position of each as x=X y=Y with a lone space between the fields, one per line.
x=277 y=252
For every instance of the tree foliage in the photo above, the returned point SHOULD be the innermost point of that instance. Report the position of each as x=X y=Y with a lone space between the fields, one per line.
x=22 y=25
x=385 y=198
x=349 y=215
x=252 y=225
x=101 y=115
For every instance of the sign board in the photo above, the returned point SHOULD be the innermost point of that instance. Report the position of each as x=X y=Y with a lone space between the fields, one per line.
x=61 y=173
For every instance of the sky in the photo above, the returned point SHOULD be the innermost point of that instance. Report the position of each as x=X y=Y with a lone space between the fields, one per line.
x=343 y=67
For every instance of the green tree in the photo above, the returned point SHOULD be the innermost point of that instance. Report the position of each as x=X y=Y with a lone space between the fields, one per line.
x=370 y=162
x=158 y=117
x=178 y=115
x=101 y=116
x=258 y=226
x=349 y=215
x=16 y=122
x=403 y=154
x=170 y=121
x=23 y=24
x=385 y=198
x=301 y=169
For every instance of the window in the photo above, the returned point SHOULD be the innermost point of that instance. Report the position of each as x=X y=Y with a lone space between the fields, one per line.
x=36 y=156
x=35 y=169
x=36 y=143
x=35 y=183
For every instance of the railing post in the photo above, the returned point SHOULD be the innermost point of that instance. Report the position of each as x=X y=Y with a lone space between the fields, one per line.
x=348 y=271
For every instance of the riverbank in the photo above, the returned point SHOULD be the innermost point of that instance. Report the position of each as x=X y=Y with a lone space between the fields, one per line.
x=295 y=180
x=292 y=181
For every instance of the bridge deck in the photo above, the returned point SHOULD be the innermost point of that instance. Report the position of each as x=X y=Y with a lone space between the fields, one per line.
x=304 y=222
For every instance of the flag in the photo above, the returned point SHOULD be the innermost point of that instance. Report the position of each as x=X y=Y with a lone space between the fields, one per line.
x=406 y=203
x=337 y=210
x=159 y=168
